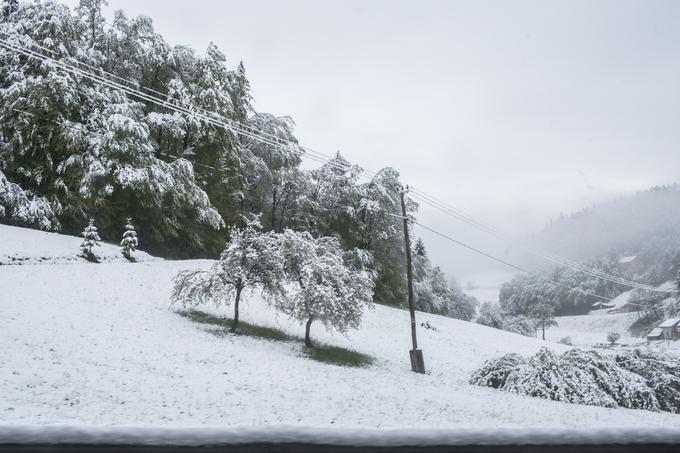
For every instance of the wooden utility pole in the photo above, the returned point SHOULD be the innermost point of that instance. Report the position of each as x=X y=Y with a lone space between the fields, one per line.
x=417 y=362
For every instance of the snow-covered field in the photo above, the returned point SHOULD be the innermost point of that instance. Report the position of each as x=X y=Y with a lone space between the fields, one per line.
x=592 y=329
x=25 y=246
x=99 y=344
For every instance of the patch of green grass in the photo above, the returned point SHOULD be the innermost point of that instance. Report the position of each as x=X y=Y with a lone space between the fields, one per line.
x=321 y=353
x=338 y=356
x=244 y=328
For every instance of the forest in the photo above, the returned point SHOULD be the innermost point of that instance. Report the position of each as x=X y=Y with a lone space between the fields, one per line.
x=187 y=171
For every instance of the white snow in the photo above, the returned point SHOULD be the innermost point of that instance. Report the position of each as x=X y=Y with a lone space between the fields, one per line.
x=26 y=246
x=592 y=329
x=98 y=344
x=627 y=259
x=669 y=322
x=617 y=302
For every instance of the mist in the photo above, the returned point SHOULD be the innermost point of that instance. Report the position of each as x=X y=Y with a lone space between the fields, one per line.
x=514 y=113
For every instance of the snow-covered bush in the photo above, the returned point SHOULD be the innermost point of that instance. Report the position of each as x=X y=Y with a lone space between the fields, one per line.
x=323 y=287
x=584 y=377
x=566 y=340
x=129 y=242
x=21 y=207
x=251 y=259
x=662 y=375
x=90 y=239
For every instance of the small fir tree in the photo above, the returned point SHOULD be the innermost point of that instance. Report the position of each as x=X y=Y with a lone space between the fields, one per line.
x=90 y=239
x=129 y=242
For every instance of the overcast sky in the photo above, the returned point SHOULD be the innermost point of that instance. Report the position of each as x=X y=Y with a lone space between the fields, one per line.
x=512 y=111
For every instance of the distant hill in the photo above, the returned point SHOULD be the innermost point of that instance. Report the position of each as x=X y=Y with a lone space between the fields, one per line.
x=646 y=225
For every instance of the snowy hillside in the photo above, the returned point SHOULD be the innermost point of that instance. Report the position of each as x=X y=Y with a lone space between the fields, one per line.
x=100 y=345
x=592 y=329
x=26 y=246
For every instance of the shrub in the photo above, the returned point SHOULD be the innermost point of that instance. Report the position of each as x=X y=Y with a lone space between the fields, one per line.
x=632 y=379
x=566 y=340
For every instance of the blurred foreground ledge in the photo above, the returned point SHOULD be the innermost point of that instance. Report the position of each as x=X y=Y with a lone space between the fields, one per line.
x=66 y=438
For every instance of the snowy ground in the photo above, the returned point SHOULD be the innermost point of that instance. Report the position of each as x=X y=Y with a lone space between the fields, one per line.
x=98 y=344
x=24 y=246
x=592 y=329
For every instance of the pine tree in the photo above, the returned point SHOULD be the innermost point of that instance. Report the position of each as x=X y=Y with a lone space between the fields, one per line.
x=129 y=242
x=90 y=239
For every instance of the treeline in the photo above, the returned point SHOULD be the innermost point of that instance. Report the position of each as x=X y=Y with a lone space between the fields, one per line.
x=72 y=149
x=645 y=224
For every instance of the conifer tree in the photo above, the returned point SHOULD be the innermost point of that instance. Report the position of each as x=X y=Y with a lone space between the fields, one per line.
x=90 y=239
x=129 y=242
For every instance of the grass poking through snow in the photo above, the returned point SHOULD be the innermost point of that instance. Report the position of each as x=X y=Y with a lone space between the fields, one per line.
x=338 y=356
x=333 y=355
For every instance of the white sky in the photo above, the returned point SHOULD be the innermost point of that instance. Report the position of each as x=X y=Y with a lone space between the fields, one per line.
x=512 y=111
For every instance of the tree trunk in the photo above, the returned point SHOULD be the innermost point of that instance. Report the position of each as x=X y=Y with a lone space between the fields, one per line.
x=543 y=327
x=236 y=301
x=308 y=341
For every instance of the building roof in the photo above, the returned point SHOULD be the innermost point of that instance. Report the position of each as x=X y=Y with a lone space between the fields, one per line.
x=655 y=333
x=670 y=322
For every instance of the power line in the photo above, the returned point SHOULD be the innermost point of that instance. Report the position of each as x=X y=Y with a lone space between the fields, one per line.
x=228 y=124
x=239 y=128
x=550 y=257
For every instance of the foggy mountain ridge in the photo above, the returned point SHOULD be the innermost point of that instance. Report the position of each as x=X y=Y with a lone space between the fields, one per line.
x=625 y=226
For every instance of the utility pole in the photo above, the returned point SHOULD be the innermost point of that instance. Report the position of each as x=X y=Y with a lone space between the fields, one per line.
x=417 y=362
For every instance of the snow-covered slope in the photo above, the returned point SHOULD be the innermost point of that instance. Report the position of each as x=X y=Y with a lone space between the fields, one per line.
x=592 y=329
x=26 y=246
x=100 y=345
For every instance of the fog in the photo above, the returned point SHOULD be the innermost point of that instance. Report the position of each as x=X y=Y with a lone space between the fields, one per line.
x=513 y=112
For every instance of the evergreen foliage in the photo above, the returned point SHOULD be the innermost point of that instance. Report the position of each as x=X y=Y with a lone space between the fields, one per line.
x=90 y=239
x=129 y=242
x=70 y=147
x=21 y=207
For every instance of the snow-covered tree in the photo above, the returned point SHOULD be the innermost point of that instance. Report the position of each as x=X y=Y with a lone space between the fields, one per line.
x=90 y=239
x=432 y=291
x=8 y=7
x=492 y=315
x=326 y=289
x=613 y=337
x=251 y=260
x=544 y=313
x=20 y=207
x=129 y=242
